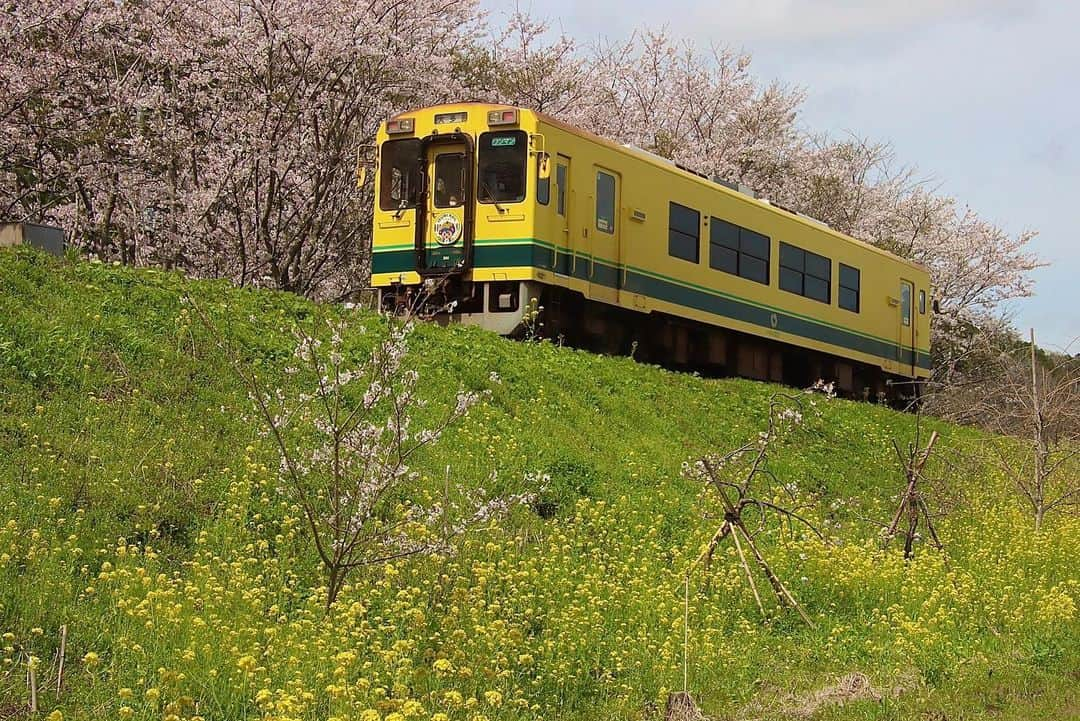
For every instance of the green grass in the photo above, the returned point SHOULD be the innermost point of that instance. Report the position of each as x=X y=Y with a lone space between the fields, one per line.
x=141 y=510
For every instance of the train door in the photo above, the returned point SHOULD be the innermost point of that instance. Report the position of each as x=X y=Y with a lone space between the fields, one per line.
x=448 y=197
x=562 y=212
x=905 y=342
x=604 y=231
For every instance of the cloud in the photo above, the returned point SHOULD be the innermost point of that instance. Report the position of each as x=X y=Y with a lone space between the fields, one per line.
x=835 y=20
x=762 y=23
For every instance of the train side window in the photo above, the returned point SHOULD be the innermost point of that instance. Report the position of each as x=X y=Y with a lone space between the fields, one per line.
x=805 y=273
x=792 y=265
x=543 y=187
x=753 y=256
x=739 y=251
x=605 y=202
x=905 y=302
x=849 y=288
x=560 y=189
x=684 y=232
x=922 y=302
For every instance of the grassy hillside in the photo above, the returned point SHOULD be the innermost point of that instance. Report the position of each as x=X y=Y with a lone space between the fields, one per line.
x=141 y=510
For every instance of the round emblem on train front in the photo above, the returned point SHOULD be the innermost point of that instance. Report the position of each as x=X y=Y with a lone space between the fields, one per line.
x=447 y=229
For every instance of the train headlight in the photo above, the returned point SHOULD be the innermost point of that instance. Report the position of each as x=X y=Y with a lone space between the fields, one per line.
x=401 y=125
x=446 y=118
x=502 y=117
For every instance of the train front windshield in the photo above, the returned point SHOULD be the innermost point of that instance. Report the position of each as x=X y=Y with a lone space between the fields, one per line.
x=401 y=178
x=501 y=168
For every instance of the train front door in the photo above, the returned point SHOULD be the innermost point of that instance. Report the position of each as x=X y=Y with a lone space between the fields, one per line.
x=448 y=196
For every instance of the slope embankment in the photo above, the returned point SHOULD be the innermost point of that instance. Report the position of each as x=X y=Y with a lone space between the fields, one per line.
x=146 y=527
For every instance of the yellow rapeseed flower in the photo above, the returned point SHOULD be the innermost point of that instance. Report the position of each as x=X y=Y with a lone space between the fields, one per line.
x=247 y=663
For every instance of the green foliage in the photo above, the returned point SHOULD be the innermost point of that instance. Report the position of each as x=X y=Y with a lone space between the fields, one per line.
x=141 y=509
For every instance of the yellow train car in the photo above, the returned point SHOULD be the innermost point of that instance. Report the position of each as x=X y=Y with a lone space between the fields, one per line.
x=490 y=206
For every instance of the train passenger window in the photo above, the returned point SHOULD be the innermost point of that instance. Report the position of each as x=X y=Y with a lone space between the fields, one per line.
x=905 y=303
x=805 y=273
x=399 y=174
x=684 y=232
x=560 y=189
x=922 y=302
x=605 y=202
x=543 y=186
x=849 y=288
x=738 y=251
x=501 y=167
x=449 y=180
x=543 y=190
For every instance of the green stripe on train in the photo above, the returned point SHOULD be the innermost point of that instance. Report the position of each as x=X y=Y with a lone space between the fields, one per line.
x=543 y=256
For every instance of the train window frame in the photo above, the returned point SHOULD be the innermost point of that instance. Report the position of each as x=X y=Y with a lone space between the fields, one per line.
x=795 y=272
x=682 y=232
x=543 y=186
x=502 y=161
x=906 y=291
x=400 y=175
x=738 y=248
x=605 y=202
x=561 y=170
x=444 y=198
x=845 y=285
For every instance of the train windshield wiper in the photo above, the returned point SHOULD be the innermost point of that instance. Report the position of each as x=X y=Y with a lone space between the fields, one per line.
x=491 y=196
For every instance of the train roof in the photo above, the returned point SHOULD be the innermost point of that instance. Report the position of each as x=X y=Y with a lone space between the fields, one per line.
x=671 y=166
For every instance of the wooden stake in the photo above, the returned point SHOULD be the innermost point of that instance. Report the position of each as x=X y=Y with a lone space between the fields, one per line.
x=784 y=595
x=749 y=575
x=686 y=635
x=63 y=650
x=913 y=474
x=33 y=684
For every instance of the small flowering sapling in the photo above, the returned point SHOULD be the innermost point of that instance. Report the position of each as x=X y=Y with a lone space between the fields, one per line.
x=913 y=504
x=345 y=446
x=732 y=477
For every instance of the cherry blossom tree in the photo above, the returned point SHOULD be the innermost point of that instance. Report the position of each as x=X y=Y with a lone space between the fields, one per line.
x=702 y=110
x=220 y=137
x=523 y=63
x=857 y=187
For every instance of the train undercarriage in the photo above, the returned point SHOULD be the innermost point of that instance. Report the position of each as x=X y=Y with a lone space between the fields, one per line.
x=524 y=308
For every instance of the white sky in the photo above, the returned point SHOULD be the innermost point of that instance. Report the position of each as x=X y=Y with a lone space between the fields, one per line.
x=982 y=96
